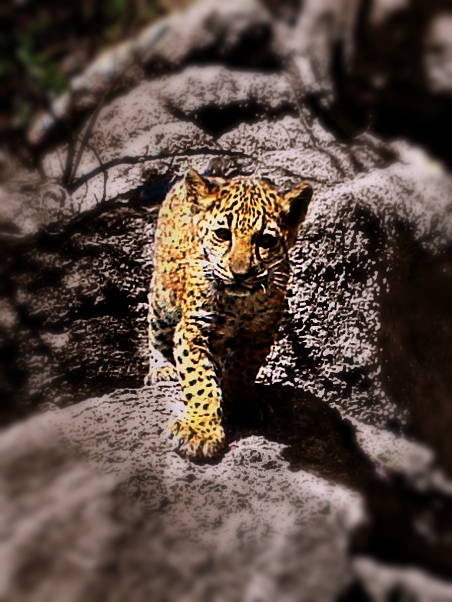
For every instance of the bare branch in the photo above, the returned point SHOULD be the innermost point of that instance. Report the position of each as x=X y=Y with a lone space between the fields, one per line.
x=144 y=158
x=96 y=154
x=87 y=135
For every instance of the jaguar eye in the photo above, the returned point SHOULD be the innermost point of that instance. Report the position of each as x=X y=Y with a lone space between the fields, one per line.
x=223 y=234
x=267 y=241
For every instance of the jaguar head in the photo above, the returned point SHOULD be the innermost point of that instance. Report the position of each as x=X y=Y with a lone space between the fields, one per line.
x=245 y=229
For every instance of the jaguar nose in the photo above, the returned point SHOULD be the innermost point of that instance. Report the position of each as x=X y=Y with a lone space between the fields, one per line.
x=242 y=275
x=239 y=276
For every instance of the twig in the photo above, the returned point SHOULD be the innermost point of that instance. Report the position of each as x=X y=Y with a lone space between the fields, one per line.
x=96 y=154
x=71 y=165
x=143 y=158
x=292 y=76
x=87 y=135
x=65 y=178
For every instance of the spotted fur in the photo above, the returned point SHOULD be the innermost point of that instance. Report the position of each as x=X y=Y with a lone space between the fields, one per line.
x=218 y=293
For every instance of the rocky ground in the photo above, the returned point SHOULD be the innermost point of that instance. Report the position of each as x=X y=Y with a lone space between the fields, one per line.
x=339 y=489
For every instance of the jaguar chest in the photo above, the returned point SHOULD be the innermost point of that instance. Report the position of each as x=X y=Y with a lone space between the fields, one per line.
x=236 y=321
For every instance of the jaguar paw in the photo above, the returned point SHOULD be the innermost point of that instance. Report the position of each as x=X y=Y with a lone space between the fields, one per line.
x=198 y=441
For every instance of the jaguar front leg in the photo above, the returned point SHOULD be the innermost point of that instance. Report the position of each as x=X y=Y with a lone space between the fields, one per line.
x=199 y=431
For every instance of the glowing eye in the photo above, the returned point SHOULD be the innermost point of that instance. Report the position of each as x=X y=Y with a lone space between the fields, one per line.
x=267 y=241
x=223 y=234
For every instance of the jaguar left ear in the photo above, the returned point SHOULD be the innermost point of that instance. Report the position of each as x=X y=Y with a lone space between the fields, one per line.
x=295 y=204
x=198 y=188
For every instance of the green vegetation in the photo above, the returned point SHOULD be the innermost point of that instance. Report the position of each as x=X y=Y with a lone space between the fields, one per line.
x=46 y=42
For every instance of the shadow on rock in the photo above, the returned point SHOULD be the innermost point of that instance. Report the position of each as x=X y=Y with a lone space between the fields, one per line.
x=416 y=338
x=318 y=439
x=408 y=523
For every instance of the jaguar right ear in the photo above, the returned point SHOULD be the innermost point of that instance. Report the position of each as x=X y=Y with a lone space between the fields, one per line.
x=199 y=189
x=295 y=204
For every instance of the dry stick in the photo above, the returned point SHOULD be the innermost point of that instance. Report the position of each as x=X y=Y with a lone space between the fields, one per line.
x=89 y=130
x=143 y=158
x=63 y=169
x=87 y=135
x=96 y=154
x=70 y=150
x=70 y=171
x=71 y=167
x=292 y=76
x=65 y=179
x=59 y=160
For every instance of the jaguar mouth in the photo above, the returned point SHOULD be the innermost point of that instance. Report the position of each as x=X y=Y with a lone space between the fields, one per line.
x=235 y=290
x=239 y=290
x=242 y=288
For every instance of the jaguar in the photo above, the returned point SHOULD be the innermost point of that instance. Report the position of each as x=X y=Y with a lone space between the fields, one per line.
x=218 y=293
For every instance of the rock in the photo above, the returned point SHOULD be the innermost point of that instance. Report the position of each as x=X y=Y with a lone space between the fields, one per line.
x=397 y=79
x=438 y=54
x=344 y=286
x=391 y=64
x=96 y=505
x=382 y=582
x=82 y=317
x=58 y=523
x=28 y=203
x=127 y=518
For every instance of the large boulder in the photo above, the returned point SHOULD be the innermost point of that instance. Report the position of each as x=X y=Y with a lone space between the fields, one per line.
x=97 y=506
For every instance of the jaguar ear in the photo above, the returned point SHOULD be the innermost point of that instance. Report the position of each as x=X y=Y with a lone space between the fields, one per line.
x=198 y=188
x=295 y=204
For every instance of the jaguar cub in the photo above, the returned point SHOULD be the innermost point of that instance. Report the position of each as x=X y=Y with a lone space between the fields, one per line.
x=218 y=293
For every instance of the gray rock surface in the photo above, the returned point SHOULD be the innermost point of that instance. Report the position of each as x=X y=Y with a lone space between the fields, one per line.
x=97 y=506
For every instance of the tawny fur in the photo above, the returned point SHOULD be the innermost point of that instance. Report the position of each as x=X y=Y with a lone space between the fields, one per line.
x=218 y=293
